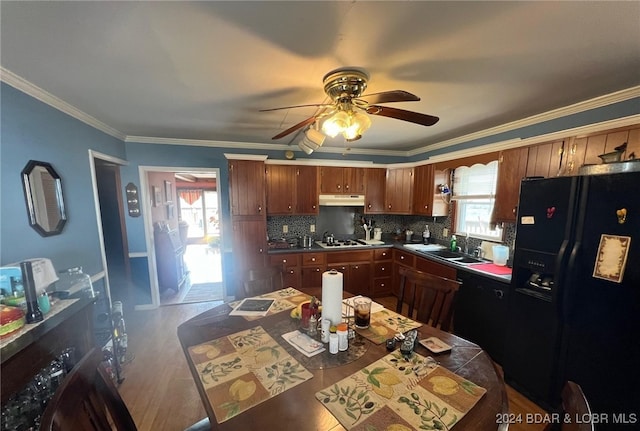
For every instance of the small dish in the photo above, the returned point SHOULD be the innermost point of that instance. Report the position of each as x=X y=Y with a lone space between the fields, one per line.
x=435 y=345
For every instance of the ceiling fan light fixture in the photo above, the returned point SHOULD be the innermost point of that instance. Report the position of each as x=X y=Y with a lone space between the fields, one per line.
x=315 y=136
x=336 y=124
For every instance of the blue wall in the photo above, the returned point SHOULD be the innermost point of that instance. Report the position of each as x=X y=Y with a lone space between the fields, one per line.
x=34 y=130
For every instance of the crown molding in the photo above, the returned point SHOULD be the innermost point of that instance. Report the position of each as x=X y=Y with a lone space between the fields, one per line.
x=256 y=157
x=576 y=108
x=38 y=93
x=43 y=96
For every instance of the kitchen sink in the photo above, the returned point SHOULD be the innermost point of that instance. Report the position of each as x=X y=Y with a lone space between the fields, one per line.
x=467 y=259
x=456 y=257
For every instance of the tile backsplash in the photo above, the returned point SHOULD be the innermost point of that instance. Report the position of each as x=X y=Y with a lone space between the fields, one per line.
x=390 y=224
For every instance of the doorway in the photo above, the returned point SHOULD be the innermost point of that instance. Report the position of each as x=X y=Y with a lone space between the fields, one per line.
x=195 y=222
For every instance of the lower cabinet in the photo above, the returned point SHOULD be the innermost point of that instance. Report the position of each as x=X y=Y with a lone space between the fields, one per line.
x=313 y=266
x=291 y=272
x=480 y=313
x=356 y=267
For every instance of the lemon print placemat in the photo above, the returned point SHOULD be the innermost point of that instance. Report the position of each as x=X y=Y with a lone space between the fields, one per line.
x=401 y=394
x=244 y=369
x=286 y=299
x=385 y=324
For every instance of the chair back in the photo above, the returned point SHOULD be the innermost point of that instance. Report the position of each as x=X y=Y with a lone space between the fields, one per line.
x=87 y=400
x=575 y=405
x=431 y=296
x=263 y=280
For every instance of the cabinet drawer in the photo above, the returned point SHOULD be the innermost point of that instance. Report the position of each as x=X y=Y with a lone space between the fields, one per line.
x=314 y=259
x=381 y=286
x=383 y=269
x=286 y=260
x=349 y=256
x=404 y=257
x=382 y=254
x=435 y=268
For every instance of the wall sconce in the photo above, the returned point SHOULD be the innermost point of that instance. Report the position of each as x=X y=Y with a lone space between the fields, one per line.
x=312 y=140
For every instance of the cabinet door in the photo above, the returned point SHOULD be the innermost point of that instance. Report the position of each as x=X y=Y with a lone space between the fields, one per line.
x=512 y=168
x=307 y=190
x=290 y=263
x=312 y=276
x=423 y=190
x=249 y=244
x=375 y=179
x=353 y=179
x=331 y=181
x=399 y=191
x=543 y=160
x=247 y=187
x=281 y=189
x=360 y=279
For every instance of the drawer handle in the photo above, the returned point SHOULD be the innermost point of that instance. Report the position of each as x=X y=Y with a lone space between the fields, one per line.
x=313 y=259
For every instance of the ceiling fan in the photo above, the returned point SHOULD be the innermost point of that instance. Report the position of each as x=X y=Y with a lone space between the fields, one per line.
x=346 y=113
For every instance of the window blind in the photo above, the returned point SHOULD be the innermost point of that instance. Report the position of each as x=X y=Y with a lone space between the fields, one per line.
x=475 y=182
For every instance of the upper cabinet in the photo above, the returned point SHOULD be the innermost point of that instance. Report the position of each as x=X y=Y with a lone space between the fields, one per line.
x=307 y=189
x=341 y=180
x=399 y=191
x=426 y=201
x=544 y=159
x=374 y=179
x=247 y=187
x=281 y=189
x=292 y=189
x=512 y=167
x=584 y=150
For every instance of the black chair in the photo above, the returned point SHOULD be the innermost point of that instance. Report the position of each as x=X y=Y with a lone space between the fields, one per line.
x=259 y=281
x=574 y=405
x=429 y=295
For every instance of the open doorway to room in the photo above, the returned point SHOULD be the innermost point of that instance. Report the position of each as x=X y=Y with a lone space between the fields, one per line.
x=186 y=235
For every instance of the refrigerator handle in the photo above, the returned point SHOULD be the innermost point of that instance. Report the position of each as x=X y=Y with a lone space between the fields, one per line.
x=566 y=287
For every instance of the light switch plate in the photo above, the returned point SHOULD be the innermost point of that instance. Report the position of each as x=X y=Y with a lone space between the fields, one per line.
x=285 y=228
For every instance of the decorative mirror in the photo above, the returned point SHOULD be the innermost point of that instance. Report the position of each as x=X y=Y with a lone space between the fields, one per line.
x=43 y=195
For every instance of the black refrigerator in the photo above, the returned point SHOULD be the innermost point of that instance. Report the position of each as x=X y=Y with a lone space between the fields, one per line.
x=574 y=304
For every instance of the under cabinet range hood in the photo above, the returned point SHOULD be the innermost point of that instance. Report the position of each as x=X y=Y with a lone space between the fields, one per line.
x=341 y=200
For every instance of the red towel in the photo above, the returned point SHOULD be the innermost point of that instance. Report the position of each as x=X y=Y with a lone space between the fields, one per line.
x=492 y=268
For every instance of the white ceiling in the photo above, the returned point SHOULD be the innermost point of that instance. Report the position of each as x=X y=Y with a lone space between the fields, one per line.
x=203 y=70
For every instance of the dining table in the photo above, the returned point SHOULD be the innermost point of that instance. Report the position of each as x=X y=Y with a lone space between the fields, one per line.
x=304 y=403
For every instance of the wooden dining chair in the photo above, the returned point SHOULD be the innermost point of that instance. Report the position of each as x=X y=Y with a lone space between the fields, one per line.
x=87 y=400
x=574 y=405
x=263 y=280
x=429 y=295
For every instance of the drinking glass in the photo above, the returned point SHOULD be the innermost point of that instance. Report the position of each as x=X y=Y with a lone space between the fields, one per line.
x=362 y=309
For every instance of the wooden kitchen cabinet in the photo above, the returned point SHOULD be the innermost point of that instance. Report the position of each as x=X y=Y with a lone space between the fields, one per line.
x=281 y=189
x=313 y=266
x=247 y=187
x=512 y=167
x=249 y=244
x=356 y=267
x=543 y=160
x=400 y=258
x=382 y=272
x=426 y=200
x=291 y=268
x=584 y=150
x=435 y=268
x=399 y=191
x=341 y=180
x=374 y=193
x=292 y=190
x=306 y=190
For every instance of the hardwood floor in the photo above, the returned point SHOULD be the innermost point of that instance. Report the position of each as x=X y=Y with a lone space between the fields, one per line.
x=159 y=390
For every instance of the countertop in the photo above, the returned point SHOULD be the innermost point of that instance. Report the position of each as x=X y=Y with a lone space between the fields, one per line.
x=392 y=243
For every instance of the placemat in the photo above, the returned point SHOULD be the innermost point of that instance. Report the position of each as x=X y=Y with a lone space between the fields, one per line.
x=385 y=324
x=395 y=393
x=286 y=299
x=244 y=369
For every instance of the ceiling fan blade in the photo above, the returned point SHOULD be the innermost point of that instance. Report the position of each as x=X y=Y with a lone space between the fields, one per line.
x=292 y=129
x=401 y=114
x=297 y=106
x=390 y=96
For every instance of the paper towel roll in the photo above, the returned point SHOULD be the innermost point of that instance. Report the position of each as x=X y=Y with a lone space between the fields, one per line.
x=332 y=296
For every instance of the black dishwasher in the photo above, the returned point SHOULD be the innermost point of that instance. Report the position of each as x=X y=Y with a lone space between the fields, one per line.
x=480 y=312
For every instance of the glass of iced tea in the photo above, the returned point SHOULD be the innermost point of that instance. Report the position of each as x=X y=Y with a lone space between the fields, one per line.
x=362 y=308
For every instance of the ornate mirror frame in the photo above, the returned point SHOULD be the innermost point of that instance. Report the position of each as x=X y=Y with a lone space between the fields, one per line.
x=43 y=195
